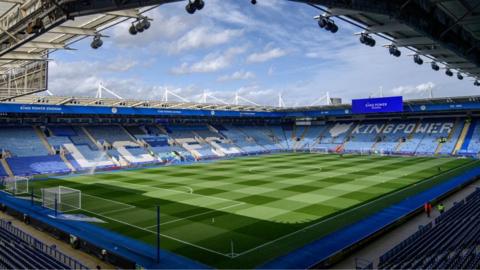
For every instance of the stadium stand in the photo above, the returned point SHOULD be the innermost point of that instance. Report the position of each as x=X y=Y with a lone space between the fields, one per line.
x=471 y=145
x=450 y=242
x=24 y=166
x=246 y=143
x=448 y=147
x=311 y=137
x=19 y=250
x=363 y=137
x=21 y=142
x=109 y=146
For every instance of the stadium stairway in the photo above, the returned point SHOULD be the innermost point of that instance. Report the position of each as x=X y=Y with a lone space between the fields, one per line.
x=299 y=142
x=128 y=133
x=377 y=138
x=6 y=167
x=469 y=136
x=450 y=137
x=90 y=137
x=409 y=137
x=462 y=137
x=341 y=146
x=68 y=163
x=43 y=139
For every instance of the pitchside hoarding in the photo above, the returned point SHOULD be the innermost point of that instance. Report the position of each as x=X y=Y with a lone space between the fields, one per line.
x=377 y=105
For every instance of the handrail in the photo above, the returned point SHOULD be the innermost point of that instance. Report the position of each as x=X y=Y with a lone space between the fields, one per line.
x=42 y=247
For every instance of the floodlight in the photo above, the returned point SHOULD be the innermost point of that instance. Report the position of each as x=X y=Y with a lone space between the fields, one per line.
x=417 y=59
x=459 y=76
x=367 y=40
x=97 y=42
x=132 y=30
x=435 y=66
x=448 y=72
x=194 y=5
x=394 y=51
x=326 y=23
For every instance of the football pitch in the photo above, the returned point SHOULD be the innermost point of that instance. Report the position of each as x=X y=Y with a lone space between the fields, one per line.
x=243 y=212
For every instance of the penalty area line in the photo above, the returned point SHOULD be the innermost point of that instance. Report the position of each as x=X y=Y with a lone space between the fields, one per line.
x=196 y=215
x=163 y=235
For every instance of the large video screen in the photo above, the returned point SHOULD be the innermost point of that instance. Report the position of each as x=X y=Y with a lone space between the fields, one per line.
x=377 y=105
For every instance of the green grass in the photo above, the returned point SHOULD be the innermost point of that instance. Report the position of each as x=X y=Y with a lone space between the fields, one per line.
x=265 y=206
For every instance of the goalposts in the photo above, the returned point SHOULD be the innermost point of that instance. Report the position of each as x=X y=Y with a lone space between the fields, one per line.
x=17 y=185
x=62 y=199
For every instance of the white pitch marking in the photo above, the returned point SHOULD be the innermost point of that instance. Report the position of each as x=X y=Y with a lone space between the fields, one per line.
x=196 y=215
x=166 y=236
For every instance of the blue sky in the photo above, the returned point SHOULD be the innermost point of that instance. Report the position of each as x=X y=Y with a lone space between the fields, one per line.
x=233 y=47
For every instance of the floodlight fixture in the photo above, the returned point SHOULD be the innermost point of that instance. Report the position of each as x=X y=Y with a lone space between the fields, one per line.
x=417 y=59
x=194 y=5
x=367 y=40
x=97 y=42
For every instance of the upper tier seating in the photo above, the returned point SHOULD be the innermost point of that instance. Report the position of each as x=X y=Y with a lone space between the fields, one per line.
x=110 y=134
x=80 y=138
x=260 y=135
x=22 y=142
x=243 y=141
x=278 y=135
x=363 y=136
x=334 y=136
x=312 y=136
x=433 y=133
x=22 y=166
x=449 y=146
x=451 y=243
x=392 y=135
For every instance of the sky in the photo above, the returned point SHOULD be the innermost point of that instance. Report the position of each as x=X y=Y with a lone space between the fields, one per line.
x=259 y=52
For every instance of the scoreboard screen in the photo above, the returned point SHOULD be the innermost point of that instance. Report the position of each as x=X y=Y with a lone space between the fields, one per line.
x=377 y=105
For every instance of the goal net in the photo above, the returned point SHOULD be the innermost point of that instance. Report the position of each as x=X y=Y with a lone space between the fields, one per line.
x=62 y=199
x=16 y=185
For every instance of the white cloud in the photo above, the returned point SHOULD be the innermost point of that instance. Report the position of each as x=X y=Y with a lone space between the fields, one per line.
x=122 y=65
x=211 y=63
x=421 y=89
x=266 y=55
x=237 y=76
x=203 y=37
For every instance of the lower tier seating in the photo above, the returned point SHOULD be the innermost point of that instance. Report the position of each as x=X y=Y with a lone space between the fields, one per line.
x=451 y=242
x=23 y=166
x=19 y=250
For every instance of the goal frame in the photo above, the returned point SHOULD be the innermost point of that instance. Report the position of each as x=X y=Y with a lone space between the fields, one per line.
x=57 y=198
x=11 y=185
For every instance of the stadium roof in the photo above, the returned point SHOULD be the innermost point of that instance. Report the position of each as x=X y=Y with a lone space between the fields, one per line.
x=113 y=102
x=446 y=31
x=30 y=30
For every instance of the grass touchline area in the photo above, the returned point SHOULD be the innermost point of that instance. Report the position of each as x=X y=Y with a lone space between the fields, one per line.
x=219 y=212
